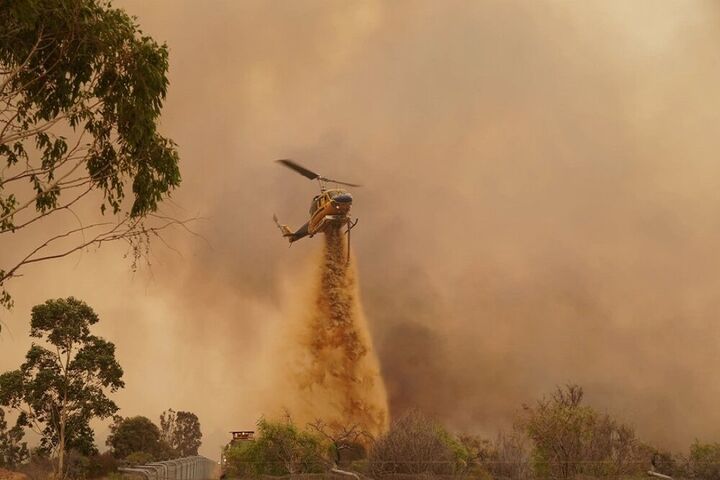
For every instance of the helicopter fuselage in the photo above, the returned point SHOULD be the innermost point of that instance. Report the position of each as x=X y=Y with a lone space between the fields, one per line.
x=329 y=208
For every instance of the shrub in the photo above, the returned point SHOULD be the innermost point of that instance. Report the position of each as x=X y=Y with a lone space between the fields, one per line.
x=139 y=458
x=572 y=439
x=417 y=445
x=280 y=449
x=102 y=465
x=508 y=457
x=39 y=467
x=704 y=460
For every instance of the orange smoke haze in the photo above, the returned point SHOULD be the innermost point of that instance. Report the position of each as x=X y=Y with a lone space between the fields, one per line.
x=541 y=205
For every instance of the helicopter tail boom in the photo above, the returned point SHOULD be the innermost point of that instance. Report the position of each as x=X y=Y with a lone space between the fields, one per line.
x=289 y=234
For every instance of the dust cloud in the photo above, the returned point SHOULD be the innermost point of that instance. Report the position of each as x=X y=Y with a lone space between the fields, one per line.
x=541 y=205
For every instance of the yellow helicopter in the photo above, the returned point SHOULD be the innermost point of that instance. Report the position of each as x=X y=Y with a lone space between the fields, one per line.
x=329 y=209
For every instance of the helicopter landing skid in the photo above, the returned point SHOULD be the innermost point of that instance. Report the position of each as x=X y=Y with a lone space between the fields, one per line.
x=350 y=225
x=332 y=221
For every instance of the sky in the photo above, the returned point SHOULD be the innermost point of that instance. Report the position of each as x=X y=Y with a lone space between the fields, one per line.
x=540 y=206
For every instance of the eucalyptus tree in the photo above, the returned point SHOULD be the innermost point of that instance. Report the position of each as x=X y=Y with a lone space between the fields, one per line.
x=181 y=430
x=64 y=382
x=81 y=91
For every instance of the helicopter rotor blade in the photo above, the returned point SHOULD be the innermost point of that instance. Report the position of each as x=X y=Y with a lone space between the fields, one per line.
x=298 y=168
x=310 y=174
x=330 y=180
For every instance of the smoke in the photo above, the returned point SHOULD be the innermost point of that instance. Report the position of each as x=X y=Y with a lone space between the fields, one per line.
x=540 y=207
x=333 y=370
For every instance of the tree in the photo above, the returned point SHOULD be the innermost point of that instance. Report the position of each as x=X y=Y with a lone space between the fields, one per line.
x=81 y=91
x=181 y=431
x=348 y=442
x=417 y=445
x=58 y=390
x=573 y=439
x=280 y=449
x=13 y=451
x=139 y=437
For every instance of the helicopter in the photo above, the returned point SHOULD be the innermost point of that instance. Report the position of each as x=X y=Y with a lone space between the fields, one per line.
x=329 y=209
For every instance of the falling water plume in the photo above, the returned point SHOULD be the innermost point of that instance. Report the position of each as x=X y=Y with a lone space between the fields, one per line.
x=336 y=375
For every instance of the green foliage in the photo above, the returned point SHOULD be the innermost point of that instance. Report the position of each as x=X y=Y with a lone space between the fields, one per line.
x=139 y=458
x=13 y=451
x=460 y=453
x=704 y=460
x=81 y=91
x=572 y=439
x=69 y=55
x=417 y=445
x=116 y=476
x=280 y=449
x=481 y=457
x=360 y=466
x=181 y=431
x=137 y=435
x=58 y=390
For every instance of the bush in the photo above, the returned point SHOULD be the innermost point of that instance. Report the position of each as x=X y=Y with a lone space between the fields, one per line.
x=704 y=460
x=139 y=458
x=102 y=465
x=77 y=465
x=508 y=457
x=280 y=449
x=80 y=466
x=667 y=463
x=39 y=467
x=417 y=445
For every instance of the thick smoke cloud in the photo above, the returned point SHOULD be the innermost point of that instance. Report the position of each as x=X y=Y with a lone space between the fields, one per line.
x=540 y=207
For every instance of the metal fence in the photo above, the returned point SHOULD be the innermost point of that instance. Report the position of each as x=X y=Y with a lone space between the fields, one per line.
x=188 y=468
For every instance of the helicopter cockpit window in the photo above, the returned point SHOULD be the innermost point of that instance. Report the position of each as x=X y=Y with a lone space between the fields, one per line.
x=314 y=204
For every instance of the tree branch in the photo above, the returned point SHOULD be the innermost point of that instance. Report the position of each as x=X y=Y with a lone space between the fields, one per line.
x=134 y=229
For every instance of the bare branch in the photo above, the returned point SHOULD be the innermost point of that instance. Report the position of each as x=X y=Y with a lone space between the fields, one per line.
x=50 y=212
x=69 y=156
x=127 y=229
x=49 y=188
x=29 y=257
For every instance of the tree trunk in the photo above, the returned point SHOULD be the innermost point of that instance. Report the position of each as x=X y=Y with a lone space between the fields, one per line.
x=63 y=416
x=61 y=447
